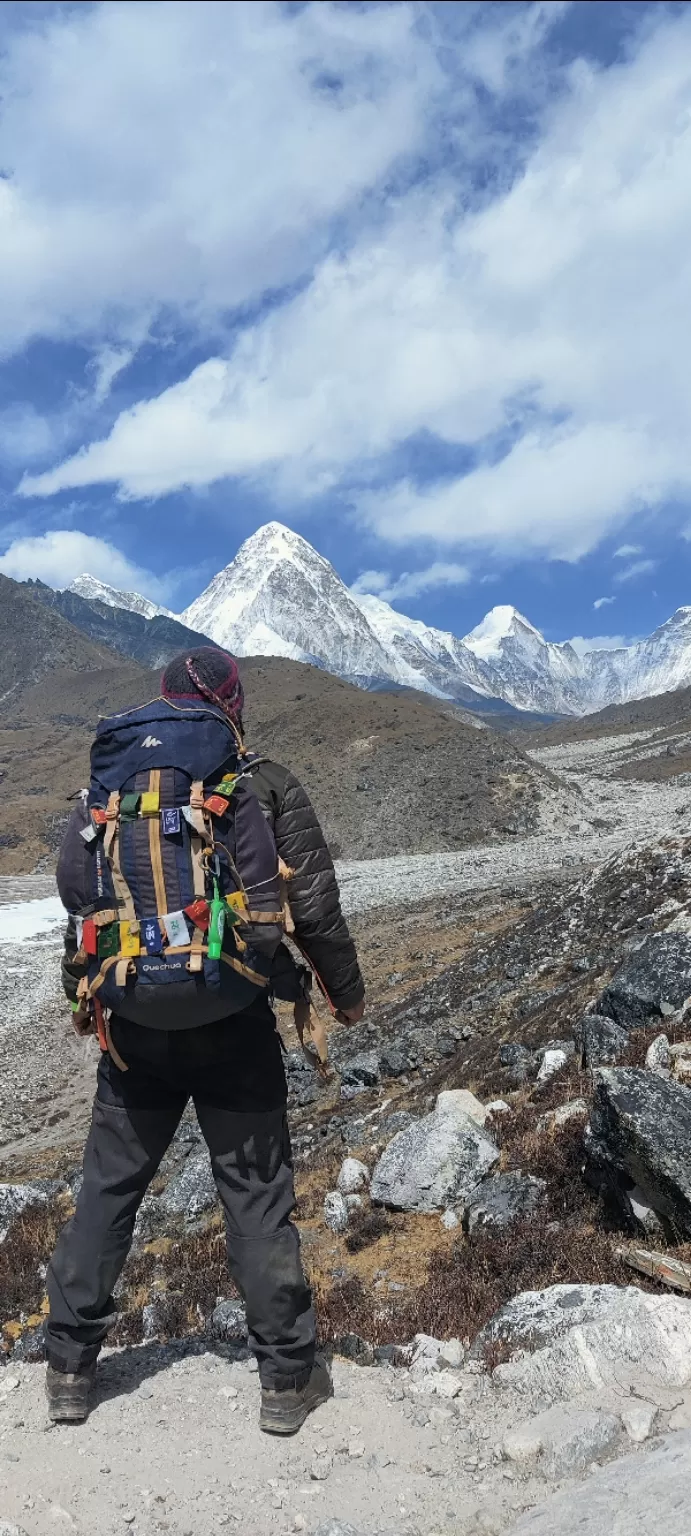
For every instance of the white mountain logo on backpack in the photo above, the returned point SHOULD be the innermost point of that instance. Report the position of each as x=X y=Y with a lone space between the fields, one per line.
x=151 y=741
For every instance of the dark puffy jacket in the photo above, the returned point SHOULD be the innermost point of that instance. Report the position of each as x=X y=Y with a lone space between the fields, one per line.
x=321 y=931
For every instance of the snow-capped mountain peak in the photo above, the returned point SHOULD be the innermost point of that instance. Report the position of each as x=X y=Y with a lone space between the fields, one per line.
x=94 y=590
x=280 y=597
x=501 y=623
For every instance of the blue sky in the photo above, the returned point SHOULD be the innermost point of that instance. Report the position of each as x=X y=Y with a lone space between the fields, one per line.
x=414 y=279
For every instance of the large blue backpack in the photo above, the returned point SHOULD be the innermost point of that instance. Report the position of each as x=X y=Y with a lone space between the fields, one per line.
x=186 y=894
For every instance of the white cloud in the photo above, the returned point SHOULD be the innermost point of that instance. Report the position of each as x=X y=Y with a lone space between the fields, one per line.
x=558 y=313
x=57 y=557
x=626 y=551
x=189 y=156
x=583 y=645
x=412 y=583
x=636 y=569
x=603 y=602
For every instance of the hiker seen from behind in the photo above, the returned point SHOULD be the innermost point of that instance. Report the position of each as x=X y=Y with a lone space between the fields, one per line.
x=182 y=868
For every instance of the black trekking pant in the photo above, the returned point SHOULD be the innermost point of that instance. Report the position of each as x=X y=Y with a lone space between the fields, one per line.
x=233 y=1071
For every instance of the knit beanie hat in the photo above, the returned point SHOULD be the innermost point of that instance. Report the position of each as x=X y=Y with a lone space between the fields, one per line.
x=206 y=673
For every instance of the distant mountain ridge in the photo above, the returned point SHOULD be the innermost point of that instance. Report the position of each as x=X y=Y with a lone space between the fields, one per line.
x=279 y=597
x=151 y=639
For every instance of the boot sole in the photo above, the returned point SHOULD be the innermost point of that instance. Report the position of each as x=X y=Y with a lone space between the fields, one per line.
x=66 y=1414
x=290 y=1425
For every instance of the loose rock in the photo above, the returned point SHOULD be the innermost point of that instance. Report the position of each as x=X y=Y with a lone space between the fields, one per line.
x=599 y=1040
x=566 y=1439
x=643 y=1124
x=552 y=1062
x=336 y=1213
x=354 y=1176
x=500 y=1201
x=655 y=979
x=459 y=1101
x=658 y=1056
x=436 y=1162
x=638 y=1419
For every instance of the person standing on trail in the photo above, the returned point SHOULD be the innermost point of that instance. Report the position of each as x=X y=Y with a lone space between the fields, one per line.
x=182 y=867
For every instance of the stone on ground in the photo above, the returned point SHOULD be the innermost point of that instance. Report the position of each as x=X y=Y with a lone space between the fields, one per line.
x=658 y=1057
x=599 y=1041
x=7 y=1529
x=460 y=1101
x=434 y=1163
x=534 y=1318
x=638 y=1419
x=641 y=1495
x=643 y=1122
x=500 y=1201
x=552 y=1062
x=336 y=1213
x=554 y=1119
x=566 y=1439
x=654 y=980
x=353 y=1176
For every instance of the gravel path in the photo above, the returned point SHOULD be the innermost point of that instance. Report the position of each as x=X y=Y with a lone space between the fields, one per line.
x=173 y=1445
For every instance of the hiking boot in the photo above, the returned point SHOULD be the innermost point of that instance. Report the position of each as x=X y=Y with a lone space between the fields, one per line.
x=68 y=1394
x=284 y=1413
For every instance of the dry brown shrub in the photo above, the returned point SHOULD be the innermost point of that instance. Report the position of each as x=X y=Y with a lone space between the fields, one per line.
x=365 y=1227
x=27 y=1247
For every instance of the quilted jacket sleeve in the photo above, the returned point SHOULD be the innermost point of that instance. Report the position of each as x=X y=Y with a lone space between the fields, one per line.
x=320 y=927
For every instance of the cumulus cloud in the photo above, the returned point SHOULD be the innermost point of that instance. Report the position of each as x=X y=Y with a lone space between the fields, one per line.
x=60 y=555
x=553 y=317
x=603 y=602
x=636 y=569
x=582 y=645
x=412 y=583
x=242 y=131
x=626 y=551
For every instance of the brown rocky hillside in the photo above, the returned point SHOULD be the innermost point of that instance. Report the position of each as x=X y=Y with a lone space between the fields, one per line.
x=389 y=773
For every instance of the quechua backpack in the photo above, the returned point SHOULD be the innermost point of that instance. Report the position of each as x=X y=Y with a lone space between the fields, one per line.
x=185 y=915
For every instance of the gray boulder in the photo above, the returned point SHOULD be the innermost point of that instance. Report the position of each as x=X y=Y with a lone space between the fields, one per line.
x=434 y=1163
x=653 y=981
x=500 y=1201
x=518 y=1061
x=637 y=1496
x=534 y=1318
x=361 y=1072
x=353 y=1176
x=192 y=1191
x=564 y=1440
x=636 y=1343
x=642 y=1124
x=599 y=1040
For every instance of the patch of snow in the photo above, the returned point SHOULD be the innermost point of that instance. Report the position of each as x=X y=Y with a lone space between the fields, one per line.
x=24 y=921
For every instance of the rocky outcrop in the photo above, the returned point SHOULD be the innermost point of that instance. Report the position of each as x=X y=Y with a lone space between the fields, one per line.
x=635 y=1495
x=640 y=1131
x=631 y=1341
x=434 y=1163
x=535 y=1318
x=653 y=981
